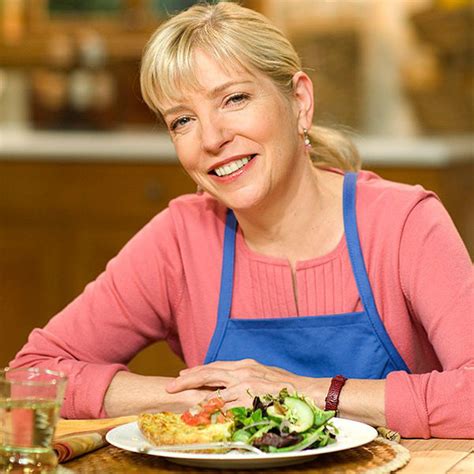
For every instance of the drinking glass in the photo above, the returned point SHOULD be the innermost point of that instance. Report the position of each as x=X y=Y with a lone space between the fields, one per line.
x=30 y=400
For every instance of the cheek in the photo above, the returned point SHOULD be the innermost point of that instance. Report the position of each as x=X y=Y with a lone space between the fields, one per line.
x=260 y=127
x=187 y=152
x=271 y=122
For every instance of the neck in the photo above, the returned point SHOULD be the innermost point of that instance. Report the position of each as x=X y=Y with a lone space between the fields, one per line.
x=302 y=221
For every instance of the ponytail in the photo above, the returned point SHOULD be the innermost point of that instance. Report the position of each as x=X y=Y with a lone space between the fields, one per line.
x=331 y=148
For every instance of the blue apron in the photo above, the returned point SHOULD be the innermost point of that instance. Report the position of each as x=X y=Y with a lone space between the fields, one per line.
x=353 y=344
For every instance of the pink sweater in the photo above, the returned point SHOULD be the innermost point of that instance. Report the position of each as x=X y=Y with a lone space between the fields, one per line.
x=164 y=284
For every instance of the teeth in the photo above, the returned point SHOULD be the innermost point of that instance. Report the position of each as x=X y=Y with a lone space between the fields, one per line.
x=231 y=167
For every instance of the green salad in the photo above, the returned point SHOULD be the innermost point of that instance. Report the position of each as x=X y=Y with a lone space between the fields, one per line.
x=283 y=423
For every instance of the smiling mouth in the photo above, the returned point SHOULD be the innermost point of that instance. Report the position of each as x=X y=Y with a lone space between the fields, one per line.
x=232 y=167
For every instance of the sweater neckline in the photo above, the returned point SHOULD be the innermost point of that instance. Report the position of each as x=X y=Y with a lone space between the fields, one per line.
x=333 y=254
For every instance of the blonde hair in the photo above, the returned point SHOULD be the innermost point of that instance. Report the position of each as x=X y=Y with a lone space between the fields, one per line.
x=234 y=36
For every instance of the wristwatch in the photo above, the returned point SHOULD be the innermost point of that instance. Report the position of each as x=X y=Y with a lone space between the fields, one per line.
x=332 y=398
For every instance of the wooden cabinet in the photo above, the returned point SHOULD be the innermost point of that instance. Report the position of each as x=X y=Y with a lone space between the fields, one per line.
x=30 y=266
x=62 y=221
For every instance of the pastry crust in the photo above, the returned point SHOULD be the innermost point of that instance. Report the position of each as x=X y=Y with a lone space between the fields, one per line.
x=168 y=428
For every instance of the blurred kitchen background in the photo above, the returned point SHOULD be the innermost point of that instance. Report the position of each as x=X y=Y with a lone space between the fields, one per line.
x=84 y=164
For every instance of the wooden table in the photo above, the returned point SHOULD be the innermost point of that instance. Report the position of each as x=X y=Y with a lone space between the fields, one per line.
x=433 y=456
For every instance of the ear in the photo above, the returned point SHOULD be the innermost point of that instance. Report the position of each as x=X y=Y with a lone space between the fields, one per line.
x=304 y=99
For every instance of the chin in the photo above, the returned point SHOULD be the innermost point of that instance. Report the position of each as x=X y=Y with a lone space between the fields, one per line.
x=243 y=202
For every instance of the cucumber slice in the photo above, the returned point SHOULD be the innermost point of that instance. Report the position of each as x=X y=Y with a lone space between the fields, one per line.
x=275 y=413
x=300 y=414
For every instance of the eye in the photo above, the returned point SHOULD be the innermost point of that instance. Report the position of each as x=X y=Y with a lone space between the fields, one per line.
x=179 y=122
x=237 y=99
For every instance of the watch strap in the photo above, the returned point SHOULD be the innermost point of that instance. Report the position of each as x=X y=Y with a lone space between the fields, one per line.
x=332 y=398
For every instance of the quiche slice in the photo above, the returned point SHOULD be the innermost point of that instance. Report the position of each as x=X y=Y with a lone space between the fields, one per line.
x=205 y=423
x=169 y=428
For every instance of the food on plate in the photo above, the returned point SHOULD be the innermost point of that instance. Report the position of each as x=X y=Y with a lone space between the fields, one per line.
x=206 y=423
x=282 y=423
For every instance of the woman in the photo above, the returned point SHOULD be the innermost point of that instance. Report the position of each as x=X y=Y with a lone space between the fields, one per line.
x=324 y=272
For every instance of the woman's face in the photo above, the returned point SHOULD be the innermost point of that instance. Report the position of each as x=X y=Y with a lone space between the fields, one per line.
x=236 y=135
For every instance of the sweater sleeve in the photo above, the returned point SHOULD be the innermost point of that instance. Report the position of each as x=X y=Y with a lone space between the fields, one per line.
x=125 y=309
x=437 y=280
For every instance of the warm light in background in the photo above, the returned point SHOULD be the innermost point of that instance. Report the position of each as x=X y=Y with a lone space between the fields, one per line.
x=13 y=20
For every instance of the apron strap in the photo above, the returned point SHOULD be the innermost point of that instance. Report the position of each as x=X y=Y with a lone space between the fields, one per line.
x=360 y=271
x=227 y=284
x=358 y=267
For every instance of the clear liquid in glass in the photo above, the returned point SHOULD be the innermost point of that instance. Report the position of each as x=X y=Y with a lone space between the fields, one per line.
x=26 y=434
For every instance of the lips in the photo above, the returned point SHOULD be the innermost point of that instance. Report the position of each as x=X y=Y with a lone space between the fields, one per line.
x=231 y=166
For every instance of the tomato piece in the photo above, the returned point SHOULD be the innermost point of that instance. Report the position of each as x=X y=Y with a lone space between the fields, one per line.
x=203 y=419
x=212 y=406
x=187 y=417
x=194 y=420
x=216 y=403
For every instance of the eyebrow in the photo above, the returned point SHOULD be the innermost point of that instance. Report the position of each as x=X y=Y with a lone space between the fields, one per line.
x=211 y=94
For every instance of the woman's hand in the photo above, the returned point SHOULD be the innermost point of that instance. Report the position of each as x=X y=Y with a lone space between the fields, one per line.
x=239 y=381
x=361 y=400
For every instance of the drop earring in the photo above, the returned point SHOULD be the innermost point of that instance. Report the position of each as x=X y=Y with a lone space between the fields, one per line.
x=307 y=140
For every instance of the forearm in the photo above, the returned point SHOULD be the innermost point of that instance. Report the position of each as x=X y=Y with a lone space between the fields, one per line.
x=360 y=400
x=130 y=394
x=363 y=400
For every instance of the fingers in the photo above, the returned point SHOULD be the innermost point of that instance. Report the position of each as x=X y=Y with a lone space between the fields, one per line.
x=239 y=395
x=216 y=374
x=243 y=364
x=223 y=364
x=241 y=369
x=238 y=381
x=201 y=377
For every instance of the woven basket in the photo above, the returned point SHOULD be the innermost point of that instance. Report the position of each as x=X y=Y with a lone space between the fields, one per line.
x=378 y=457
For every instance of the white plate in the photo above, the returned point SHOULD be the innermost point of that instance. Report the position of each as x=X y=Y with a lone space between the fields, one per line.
x=351 y=434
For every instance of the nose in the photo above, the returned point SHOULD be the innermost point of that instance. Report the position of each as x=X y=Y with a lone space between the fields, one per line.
x=214 y=134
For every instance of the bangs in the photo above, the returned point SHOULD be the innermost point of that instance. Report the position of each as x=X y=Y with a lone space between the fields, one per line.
x=235 y=37
x=173 y=75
